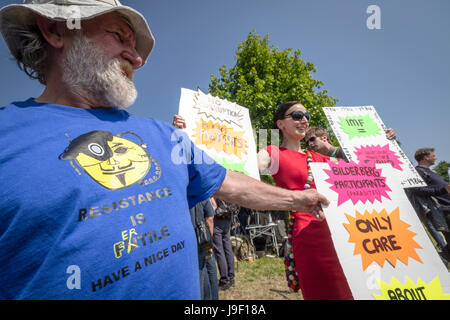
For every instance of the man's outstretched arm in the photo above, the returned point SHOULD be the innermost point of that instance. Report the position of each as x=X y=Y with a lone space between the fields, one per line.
x=251 y=193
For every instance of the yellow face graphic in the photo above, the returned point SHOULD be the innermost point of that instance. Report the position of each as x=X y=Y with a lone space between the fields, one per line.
x=112 y=161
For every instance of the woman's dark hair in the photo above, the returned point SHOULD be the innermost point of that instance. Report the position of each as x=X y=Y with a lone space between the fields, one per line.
x=280 y=113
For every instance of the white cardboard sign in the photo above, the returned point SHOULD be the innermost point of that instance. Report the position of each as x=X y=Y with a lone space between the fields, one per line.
x=382 y=246
x=361 y=133
x=220 y=128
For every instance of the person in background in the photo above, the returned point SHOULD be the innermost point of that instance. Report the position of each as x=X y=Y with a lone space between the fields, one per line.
x=433 y=201
x=318 y=140
x=207 y=264
x=245 y=216
x=222 y=242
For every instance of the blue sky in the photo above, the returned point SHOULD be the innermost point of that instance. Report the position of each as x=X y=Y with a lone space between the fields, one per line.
x=403 y=69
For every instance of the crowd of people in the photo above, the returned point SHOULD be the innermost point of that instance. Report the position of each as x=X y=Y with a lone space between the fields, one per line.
x=107 y=207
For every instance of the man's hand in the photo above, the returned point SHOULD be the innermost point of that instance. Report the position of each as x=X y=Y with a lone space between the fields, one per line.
x=253 y=194
x=310 y=201
x=178 y=122
x=390 y=134
x=448 y=188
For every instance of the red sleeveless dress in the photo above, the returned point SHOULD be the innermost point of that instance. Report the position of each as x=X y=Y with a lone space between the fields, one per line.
x=320 y=274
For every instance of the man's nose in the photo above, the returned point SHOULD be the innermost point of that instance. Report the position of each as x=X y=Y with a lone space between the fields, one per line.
x=133 y=57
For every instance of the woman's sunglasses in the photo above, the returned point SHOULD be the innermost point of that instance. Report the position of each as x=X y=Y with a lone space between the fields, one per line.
x=298 y=115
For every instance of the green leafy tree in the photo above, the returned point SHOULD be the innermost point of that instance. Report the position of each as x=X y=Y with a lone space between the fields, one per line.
x=442 y=169
x=264 y=77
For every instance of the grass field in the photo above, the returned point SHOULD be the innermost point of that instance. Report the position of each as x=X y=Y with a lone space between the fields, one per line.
x=262 y=279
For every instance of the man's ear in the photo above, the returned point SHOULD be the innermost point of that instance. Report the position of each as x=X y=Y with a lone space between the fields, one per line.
x=324 y=138
x=50 y=31
x=280 y=124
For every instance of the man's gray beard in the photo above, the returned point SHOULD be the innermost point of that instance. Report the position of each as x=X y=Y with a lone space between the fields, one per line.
x=87 y=72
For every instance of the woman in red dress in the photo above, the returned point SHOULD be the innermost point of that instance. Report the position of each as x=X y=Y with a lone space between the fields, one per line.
x=320 y=275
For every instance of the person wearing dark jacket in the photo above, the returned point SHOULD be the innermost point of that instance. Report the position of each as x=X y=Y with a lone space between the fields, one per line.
x=432 y=201
x=222 y=242
x=207 y=265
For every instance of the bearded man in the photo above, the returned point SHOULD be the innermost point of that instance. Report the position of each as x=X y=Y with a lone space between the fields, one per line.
x=94 y=201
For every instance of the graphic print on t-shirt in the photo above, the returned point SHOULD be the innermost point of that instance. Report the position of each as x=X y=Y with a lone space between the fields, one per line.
x=111 y=160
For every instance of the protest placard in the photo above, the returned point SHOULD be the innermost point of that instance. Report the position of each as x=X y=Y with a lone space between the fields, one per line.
x=361 y=133
x=382 y=245
x=220 y=128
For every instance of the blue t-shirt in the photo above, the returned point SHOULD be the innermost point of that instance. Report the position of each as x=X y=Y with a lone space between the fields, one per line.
x=94 y=204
